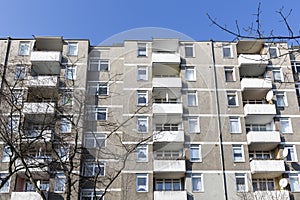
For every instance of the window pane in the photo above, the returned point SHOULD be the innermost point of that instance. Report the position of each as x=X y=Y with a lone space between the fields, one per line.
x=189 y=51
x=190 y=73
x=227 y=52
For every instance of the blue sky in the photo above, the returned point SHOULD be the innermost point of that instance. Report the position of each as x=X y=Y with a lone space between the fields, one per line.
x=98 y=20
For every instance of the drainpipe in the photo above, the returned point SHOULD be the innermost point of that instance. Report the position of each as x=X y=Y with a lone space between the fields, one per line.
x=3 y=80
x=219 y=127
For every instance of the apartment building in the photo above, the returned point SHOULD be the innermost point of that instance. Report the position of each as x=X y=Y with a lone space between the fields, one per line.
x=153 y=119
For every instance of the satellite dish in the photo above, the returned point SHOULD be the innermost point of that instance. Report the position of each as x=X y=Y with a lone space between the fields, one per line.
x=283 y=182
x=269 y=95
x=285 y=152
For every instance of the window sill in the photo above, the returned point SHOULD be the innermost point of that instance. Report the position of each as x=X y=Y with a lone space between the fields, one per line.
x=233 y=106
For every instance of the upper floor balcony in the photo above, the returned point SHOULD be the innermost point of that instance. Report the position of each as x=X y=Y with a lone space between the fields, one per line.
x=26 y=195
x=256 y=112
x=36 y=108
x=263 y=140
x=168 y=136
x=252 y=64
x=271 y=195
x=42 y=81
x=167 y=82
x=166 y=57
x=174 y=195
x=165 y=51
x=255 y=88
x=267 y=168
x=35 y=164
x=169 y=166
x=167 y=112
x=46 y=62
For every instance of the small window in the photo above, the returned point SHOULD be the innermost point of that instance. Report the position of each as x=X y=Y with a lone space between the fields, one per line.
x=294 y=182
x=292 y=155
x=231 y=99
x=70 y=73
x=142 y=153
x=285 y=125
x=13 y=123
x=197 y=183
x=72 y=49
x=101 y=113
x=90 y=195
x=63 y=153
x=67 y=99
x=6 y=154
x=104 y=65
x=240 y=181
x=142 y=98
x=189 y=50
x=142 y=49
x=192 y=98
x=195 y=153
x=102 y=88
x=92 y=169
x=142 y=73
x=65 y=125
x=168 y=185
x=193 y=125
x=227 y=51
x=59 y=182
x=94 y=140
x=235 y=125
x=17 y=97
x=281 y=99
x=142 y=124
x=98 y=65
x=5 y=187
x=190 y=73
x=141 y=182
x=20 y=72
x=263 y=184
x=229 y=74
x=277 y=75
x=238 y=153
x=273 y=52
x=24 y=48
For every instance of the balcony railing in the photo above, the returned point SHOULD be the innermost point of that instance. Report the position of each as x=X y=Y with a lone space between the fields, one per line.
x=167 y=82
x=263 y=140
x=167 y=108
x=259 y=113
x=165 y=57
x=45 y=56
x=174 y=195
x=43 y=135
x=253 y=59
x=42 y=81
x=256 y=83
x=169 y=166
x=267 y=168
x=271 y=195
x=38 y=108
x=168 y=136
x=26 y=195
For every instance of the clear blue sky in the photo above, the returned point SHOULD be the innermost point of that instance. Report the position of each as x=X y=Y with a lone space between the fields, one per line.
x=98 y=20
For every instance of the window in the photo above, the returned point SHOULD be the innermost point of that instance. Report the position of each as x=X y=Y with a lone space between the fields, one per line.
x=142 y=73
x=190 y=73
x=291 y=156
x=141 y=182
x=142 y=98
x=235 y=126
x=277 y=74
x=6 y=154
x=72 y=49
x=99 y=65
x=102 y=88
x=294 y=182
x=238 y=153
x=197 y=183
x=261 y=155
x=65 y=125
x=229 y=74
x=63 y=153
x=24 y=48
x=167 y=185
x=16 y=97
x=142 y=124
x=13 y=123
x=93 y=169
x=192 y=98
x=232 y=99
x=281 y=99
x=193 y=125
x=240 y=182
x=70 y=73
x=90 y=195
x=67 y=99
x=167 y=127
x=263 y=185
x=20 y=72
x=227 y=51
x=142 y=153
x=142 y=49
x=285 y=125
x=189 y=50
x=59 y=182
x=171 y=155
x=101 y=113
x=195 y=153
x=5 y=188
x=94 y=140
x=273 y=52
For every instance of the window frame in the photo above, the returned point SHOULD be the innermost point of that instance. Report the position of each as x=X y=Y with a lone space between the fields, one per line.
x=90 y=193
x=235 y=122
x=278 y=71
x=192 y=50
x=232 y=95
x=141 y=119
x=163 y=182
x=98 y=111
x=24 y=44
x=74 y=51
x=6 y=154
x=70 y=72
x=140 y=94
x=142 y=49
x=100 y=63
x=102 y=86
x=96 y=137
x=244 y=177
x=64 y=121
x=293 y=153
x=196 y=125
x=190 y=69
x=6 y=186
x=90 y=169
x=142 y=148
x=59 y=182
x=270 y=52
x=283 y=97
x=227 y=46
x=195 y=147
x=231 y=71
x=139 y=76
x=141 y=176
x=13 y=123
x=67 y=98
x=283 y=121
x=197 y=176
x=17 y=96
x=295 y=176
x=194 y=95
x=20 y=72
x=238 y=149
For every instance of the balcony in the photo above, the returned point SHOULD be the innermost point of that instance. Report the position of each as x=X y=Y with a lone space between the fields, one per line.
x=167 y=112
x=26 y=195
x=271 y=195
x=165 y=57
x=259 y=113
x=252 y=64
x=42 y=81
x=46 y=62
x=170 y=195
x=38 y=135
x=168 y=136
x=39 y=165
x=255 y=87
x=167 y=82
x=267 y=168
x=169 y=166
x=263 y=140
x=39 y=108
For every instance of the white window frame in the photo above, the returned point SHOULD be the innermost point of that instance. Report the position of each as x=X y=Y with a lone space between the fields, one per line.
x=295 y=185
x=292 y=152
x=103 y=85
x=199 y=178
x=6 y=154
x=20 y=72
x=141 y=188
x=65 y=125
x=94 y=140
x=244 y=177
x=6 y=186
x=142 y=50
x=24 y=48
x=17 y=96
x=278 y=71
x=72 y=49
x=281 y=99
x=238 y=149
x=286 y=125
x=235 y=125
x=67 y=98
x=188 y=70
x=63 y=153
x=140 y=121
x=70 y=72
x=167 y=182
x=94 y=167
x=194 y=96
x=142 y=153
x=230 y=51
x=231 y=71
x=142 y=77
x=13 y=122
x=90 y=193
x=142 y=94
x=192 y=50
x=99 y=110
x=193 y=121
x=59 y=183
x=100 y=63
x=270 y=53
x=232 y=95
x=263 y=184
x=193 y=156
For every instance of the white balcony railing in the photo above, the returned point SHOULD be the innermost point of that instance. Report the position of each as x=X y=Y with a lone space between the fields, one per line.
x=266 y=140
x=165 y=57
x=38 y=164
x=271 y=195
x=167 y=108
x=256 y=83
x=168 y=136
x=253 y=59
x=169 y=166
x=26 y=195
x=44 y=135
x=167 y=82
x=45 y=56
x=259 y=113
x=274 y=167
x=39 y=108
x=42 y=81
x=174 y=195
